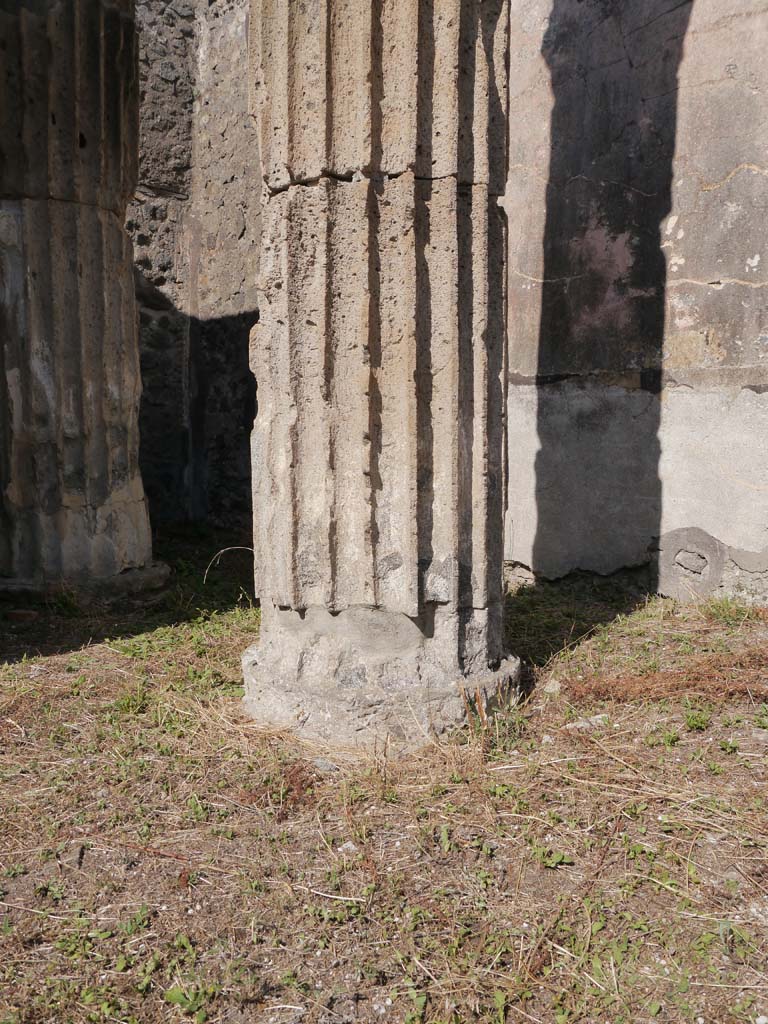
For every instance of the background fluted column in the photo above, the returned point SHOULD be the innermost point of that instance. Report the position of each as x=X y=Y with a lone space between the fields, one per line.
x=72 y=508
x=379 y=359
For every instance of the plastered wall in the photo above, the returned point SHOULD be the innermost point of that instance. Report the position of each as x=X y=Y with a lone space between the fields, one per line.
x=637 y=195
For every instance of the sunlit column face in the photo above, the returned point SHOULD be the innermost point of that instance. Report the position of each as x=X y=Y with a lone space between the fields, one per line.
x=379 y=357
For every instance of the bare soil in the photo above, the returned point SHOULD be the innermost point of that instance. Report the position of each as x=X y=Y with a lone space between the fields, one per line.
x=599 y=854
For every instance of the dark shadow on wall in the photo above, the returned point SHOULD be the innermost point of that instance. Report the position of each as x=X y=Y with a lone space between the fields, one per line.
x=613 y=67
x=197 y=410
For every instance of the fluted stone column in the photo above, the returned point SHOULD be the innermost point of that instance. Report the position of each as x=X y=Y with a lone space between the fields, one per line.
x=379 y=360
x=72 y=508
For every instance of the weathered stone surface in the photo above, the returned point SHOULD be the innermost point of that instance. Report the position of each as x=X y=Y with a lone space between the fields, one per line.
x=195 y=225
x=367 y=676
x=360 y=311
x=72 y=509
x=378 y=448
x=381 y=88
x=69 y=101
x=638 y=398
x=693 y=564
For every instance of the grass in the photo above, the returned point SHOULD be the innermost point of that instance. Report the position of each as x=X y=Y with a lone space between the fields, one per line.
x=598 y=854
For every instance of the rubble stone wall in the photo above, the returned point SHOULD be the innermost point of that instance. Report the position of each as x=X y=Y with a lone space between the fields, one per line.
x=195 y=226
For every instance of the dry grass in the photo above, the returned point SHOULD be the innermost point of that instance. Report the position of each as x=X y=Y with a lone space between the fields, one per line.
x=595 y=857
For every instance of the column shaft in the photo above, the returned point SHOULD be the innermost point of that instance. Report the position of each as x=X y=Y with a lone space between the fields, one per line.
x=379 y=359
x=72 y=508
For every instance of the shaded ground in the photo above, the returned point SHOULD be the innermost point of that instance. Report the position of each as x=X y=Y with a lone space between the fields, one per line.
x=161 y=859
x=212 y=571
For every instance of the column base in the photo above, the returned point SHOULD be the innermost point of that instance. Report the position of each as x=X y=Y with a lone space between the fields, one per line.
x=130 y=581
x=365 y=678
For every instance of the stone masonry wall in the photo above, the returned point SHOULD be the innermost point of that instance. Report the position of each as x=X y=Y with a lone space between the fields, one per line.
x=194 y=224
x=224 y=246
x=638 y=403
x=157 y=224
x=637 y=195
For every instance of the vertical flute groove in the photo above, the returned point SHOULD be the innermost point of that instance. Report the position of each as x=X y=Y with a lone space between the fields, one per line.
x=388 y=394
